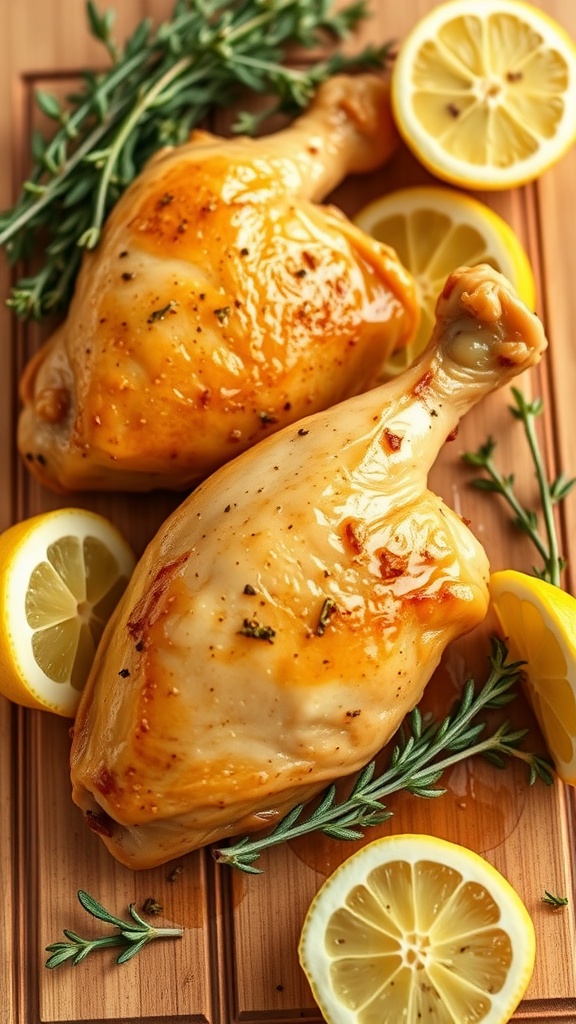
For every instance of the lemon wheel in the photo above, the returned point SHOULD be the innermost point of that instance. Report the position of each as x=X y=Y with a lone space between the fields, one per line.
x=61 y=575
x=434 y=230
x=484 y=94
x=416 y=929
x=539 y=624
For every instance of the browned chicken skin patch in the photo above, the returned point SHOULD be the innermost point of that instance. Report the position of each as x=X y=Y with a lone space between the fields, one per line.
x=222 y=303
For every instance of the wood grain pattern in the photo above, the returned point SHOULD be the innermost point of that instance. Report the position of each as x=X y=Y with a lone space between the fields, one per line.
x=237 y=959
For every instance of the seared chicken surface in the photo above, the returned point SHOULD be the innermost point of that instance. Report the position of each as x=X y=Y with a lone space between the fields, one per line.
x=290 y=613
x=222 y=303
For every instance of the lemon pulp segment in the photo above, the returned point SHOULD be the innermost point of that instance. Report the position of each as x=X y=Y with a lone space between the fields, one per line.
x=68 y=601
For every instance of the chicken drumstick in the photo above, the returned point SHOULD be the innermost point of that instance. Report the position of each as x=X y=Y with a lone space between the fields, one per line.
x=290 y=613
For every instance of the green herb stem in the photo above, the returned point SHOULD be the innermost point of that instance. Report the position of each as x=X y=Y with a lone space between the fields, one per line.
x=133 y=935
x=554 y=563
x=550 y=492
x=554 y=901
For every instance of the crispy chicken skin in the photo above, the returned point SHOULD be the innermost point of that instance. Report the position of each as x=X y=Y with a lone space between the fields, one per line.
x=222 y=303
x=291 y=611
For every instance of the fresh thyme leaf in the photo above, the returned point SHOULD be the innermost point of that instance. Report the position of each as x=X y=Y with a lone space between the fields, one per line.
x=327 y=610
x=133 y=935
x=253 y=628
x=554 y=901
x=425 y=749
x=550 y=492
x=156 y=88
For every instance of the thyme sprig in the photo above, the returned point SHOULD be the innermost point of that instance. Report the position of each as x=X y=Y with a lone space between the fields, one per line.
x=551 y=492
x=425 y=750
x=159 y=85
x=556 y=902
x=133 y=935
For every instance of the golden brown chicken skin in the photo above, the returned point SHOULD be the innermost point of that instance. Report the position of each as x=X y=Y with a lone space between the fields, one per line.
x=222 y=303
x=290 y=613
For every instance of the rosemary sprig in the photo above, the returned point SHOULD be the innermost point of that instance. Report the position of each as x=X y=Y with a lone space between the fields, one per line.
x=133 y=935
x=426 y=748
x=550 y=492
x=158 y=86
x=554 y=901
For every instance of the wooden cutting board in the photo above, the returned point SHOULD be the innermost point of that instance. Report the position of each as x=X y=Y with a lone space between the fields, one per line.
x=237 y=960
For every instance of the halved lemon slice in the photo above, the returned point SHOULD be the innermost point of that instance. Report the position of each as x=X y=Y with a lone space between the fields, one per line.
x=61 y=575
x=484 y=94
x=434 y=230
x=539 y=623
x=413 y=928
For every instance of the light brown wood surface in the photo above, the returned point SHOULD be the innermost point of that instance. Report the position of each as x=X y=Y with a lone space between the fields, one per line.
x=237 y=960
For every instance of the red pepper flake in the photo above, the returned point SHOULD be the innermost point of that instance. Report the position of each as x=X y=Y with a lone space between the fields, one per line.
x=310 y=260
x=353 y=533
x=104 y=781
x=423 y=385
x=392 y=565
x=453 y=434
x=393 y=441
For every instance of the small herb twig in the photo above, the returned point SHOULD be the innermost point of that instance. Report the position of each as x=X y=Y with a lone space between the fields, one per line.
x=550 y=492
x=554 y=901
x=133 y=935
x=425 y=750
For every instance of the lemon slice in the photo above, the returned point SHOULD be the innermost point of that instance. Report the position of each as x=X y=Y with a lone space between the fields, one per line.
x=61 y=575
x=539 y=623
x=412 y=929
x=434 y=230
x=484 y=94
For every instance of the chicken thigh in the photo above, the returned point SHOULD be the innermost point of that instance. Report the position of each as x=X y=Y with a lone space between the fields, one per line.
x=222 y=303
x=290 y=612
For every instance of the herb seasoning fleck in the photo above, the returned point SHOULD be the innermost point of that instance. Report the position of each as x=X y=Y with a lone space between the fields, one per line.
x=328 y=609
x=251 y=627
x=159 y=314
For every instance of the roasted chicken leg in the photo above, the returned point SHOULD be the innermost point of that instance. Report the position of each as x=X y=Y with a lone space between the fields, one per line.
x=289 y=614
x=222 y=303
